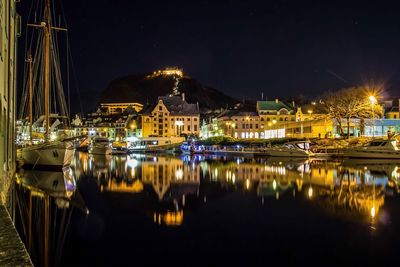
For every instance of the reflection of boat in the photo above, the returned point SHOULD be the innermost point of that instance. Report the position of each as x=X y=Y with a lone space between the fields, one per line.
x=291 y=149
x=55 y=184
x=191 y=148
x=378 y=149
x=100 y=146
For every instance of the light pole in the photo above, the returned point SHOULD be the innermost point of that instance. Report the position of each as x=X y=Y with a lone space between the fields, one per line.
x=372 y=99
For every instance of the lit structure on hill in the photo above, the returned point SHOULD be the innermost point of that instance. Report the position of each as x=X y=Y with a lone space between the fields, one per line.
x=168 y=71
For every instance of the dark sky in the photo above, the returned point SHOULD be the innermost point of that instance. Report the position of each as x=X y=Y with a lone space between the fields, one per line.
x=281 y=48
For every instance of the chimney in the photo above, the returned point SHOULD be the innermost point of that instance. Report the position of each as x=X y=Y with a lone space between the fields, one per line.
x=276 y=100
x=183 y=96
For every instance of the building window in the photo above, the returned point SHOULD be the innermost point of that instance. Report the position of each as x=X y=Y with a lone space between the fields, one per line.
x=243 y=126
x=188 y=119
x=256 y=126
x=188 y=128
x=195 y=127
x=268 y=119
x=160 y=108
x=195 y=119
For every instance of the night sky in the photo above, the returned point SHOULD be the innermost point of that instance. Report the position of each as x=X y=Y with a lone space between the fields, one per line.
x=281 y=48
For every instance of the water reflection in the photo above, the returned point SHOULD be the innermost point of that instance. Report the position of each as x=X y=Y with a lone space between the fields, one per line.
x=43 y=201
x=357 y=187
x=166 y=191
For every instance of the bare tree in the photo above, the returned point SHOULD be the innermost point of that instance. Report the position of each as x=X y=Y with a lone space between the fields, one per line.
x=350 y=103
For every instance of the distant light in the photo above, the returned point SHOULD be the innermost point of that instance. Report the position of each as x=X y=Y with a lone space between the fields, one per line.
x=310 y=192
x=274 y=185
x=247 y=184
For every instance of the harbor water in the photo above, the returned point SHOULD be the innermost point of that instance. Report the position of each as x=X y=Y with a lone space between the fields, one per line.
x=210 y=210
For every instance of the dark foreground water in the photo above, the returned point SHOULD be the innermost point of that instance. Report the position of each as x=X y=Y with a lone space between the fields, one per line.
x=143 y=210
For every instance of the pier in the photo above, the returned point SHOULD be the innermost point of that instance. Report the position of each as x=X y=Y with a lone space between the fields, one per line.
x=12 y=250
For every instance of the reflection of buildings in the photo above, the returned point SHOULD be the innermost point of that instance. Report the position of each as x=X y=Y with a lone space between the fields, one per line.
x=172 y=179
x=130 y=174
x=170 y=173
x=358 y=188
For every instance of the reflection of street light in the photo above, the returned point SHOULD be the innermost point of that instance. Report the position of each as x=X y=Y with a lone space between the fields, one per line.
x=310 y=192
x=372 y=99
x=373 y=210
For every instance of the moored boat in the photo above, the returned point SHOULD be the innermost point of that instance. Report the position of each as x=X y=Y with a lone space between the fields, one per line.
x=51 y=155
x=377 y=149
x=100 y=146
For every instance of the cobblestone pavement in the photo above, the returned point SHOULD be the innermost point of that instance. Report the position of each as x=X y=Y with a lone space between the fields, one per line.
x=12 y=250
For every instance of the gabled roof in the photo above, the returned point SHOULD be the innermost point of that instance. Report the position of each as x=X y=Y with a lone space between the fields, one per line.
x=393 y=109
x=175 y=105
x=273 y=105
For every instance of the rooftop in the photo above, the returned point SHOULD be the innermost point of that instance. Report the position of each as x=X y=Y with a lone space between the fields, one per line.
x=273 y=105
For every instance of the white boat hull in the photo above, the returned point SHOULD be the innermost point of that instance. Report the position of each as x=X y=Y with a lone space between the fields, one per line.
x=57 y=155
x=369 y=154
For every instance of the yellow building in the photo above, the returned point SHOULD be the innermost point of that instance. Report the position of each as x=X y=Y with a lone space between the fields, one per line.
x=275 y=111
x=9 y=31
x=115 y=108
x=171 y=116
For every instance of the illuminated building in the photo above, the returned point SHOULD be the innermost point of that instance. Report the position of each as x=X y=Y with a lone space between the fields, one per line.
x=169 y=71
x=116 y=108
x=171 y=116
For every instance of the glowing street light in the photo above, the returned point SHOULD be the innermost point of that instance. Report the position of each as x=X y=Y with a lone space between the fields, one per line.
x=372 y=99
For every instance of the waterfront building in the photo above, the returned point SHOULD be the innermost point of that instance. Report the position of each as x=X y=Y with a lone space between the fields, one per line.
x=116 y=127
x=278 y=111
x=9 y=31
x=171 y=116
x=391 y=108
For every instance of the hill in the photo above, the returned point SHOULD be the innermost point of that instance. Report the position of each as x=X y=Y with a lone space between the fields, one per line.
x=145 y=88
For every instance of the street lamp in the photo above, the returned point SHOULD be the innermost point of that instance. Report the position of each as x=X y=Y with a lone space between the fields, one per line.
x=372 y=99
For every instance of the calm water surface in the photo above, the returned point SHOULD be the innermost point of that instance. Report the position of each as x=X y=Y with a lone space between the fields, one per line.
x=151 y=209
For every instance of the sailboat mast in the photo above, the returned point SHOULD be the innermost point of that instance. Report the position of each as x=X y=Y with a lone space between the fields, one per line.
x=47 y=33
x=30 y=96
